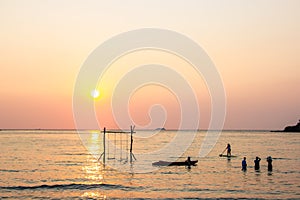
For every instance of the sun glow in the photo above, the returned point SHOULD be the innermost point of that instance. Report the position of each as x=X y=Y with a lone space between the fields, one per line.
x=95 y=93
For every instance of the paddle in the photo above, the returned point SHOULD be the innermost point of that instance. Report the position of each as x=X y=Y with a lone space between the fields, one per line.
x=223 y=152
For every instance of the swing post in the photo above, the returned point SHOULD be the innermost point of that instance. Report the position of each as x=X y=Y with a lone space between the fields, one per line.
x=131 y=142
x=104 y=131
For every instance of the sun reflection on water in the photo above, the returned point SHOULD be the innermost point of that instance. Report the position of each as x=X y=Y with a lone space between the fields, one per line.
x=93 y=171
x=94 y=143
x=93 y=195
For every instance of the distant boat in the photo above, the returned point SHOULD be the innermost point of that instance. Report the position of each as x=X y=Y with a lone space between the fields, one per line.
x=166 y=163
x=160 y=129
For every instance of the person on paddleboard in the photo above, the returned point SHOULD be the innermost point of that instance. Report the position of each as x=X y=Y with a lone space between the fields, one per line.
x=244 y=164
x=228 y=150
x=256 y=163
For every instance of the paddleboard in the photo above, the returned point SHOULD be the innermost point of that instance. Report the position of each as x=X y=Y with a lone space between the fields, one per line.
x=222 y=155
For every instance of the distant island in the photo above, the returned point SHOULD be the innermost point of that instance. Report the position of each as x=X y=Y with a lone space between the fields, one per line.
x=295 y=128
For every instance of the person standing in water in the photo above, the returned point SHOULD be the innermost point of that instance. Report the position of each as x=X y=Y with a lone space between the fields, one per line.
x=270 y=166
x=244 y=164
x=228 y=150
x=256 y=163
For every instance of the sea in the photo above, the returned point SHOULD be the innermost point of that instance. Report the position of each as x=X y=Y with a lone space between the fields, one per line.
x=69 y=164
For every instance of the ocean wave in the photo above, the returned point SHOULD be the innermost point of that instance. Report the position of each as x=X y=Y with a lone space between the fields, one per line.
x=9 y=170
x=72 y=186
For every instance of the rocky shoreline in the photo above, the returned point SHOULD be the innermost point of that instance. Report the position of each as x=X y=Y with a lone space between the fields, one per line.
x=295 y=128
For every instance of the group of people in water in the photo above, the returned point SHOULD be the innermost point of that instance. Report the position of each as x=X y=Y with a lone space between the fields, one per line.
x=256 y=161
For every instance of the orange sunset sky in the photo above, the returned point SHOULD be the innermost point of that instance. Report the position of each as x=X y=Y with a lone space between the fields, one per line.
x=255 y=46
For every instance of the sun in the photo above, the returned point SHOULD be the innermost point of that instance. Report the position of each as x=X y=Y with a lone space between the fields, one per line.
x=95 y=93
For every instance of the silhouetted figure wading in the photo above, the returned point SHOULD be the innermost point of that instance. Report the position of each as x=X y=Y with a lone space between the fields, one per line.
x=244 y=164
x=269 y=160
x=256 y=163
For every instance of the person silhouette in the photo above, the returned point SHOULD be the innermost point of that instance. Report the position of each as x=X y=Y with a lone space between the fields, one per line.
x=256 y=163
x=228 y=150
x=189 y=162
x=270 y=166
x=244 y=164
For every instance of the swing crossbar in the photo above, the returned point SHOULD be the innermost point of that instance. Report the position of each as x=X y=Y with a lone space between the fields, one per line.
x=117 y=132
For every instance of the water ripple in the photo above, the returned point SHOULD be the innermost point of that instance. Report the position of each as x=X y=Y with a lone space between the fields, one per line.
x=72 y=186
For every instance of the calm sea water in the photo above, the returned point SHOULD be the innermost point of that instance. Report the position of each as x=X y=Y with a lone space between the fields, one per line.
x=55 y=164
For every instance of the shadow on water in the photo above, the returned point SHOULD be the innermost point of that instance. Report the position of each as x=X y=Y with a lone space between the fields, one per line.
x=257 y=172
x=270 y=173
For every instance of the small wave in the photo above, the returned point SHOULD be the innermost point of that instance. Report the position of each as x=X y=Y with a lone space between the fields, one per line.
x=9 y=170
x=73 y=154
x=21 y=170
x=72 y=186
x=282 y=159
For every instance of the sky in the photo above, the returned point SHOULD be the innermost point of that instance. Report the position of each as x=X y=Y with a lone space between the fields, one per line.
x=254 y=45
